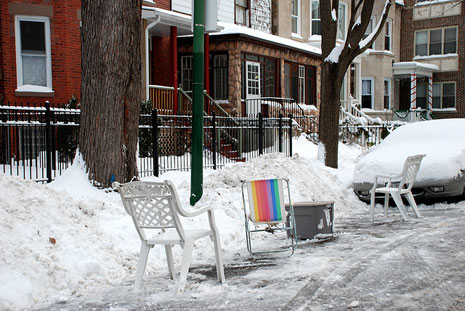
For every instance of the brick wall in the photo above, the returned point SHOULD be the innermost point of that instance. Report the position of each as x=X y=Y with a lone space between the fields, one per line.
x=163 y=4
x=161 y=64
x=408 y=28
x=64 y=42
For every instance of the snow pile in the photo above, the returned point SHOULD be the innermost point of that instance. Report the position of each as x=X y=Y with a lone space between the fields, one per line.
x=67 y=238
x=441 y=140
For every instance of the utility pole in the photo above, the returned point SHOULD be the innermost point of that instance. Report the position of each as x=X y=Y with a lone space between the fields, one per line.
x=197 y=105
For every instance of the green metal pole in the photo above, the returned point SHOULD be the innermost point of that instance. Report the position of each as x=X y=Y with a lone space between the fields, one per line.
x=197 y=105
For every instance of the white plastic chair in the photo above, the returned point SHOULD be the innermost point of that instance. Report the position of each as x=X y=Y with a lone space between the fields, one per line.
x=155 y=208
x=397 y=185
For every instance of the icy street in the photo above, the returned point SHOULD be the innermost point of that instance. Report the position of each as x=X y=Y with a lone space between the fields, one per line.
x=388 y=265
x=70 y=246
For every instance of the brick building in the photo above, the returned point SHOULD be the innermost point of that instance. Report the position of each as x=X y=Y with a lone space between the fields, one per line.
x=40 y=55
x=433 y=34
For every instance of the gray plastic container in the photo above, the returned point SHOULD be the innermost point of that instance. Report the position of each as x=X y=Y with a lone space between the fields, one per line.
x=313 y=218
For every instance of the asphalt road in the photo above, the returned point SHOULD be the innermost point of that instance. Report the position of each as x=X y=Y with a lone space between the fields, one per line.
x=387 y=265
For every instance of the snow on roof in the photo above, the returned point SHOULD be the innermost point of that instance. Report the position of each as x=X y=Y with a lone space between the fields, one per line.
x=430 y=67
x=400 y=2
x=230 y=29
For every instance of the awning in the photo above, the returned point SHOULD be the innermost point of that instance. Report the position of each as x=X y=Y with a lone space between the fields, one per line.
x=403 y=70
x=166 y=19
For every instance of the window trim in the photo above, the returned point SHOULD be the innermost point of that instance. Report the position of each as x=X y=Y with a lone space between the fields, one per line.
x=48 y=54
x=428 y=43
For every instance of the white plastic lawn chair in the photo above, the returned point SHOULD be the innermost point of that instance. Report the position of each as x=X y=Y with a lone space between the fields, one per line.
x=154 y=207
x=397 y=185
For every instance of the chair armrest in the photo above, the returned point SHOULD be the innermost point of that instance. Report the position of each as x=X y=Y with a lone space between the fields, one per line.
x=185 y=213
x=388 y=177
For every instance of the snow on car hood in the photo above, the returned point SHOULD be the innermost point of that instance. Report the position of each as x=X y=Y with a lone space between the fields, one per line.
x=443 y=142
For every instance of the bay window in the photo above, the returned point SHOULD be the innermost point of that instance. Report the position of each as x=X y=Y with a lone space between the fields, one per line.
x=436 y=41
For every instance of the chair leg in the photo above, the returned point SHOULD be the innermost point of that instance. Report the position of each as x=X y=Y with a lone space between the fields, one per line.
x=169 y=260
x=372 y=205
x=186 y=261
x=218 y=257
x=413 y=204
x=144 y=253
x=400 y=204
x=386 y=204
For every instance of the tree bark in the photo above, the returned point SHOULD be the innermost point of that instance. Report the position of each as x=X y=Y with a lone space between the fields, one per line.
x=333 y=71
x=110 y=88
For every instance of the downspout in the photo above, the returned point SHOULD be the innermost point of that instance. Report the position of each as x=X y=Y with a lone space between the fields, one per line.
x=147 y=66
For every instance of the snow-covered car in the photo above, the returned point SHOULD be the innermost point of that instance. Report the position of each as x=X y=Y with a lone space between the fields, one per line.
x=442 y=171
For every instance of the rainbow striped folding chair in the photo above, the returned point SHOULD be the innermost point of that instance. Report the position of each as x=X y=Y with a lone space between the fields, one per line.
x=265 y=212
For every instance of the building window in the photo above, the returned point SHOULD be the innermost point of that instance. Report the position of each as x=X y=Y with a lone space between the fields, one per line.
x=436 y=42
x=444 y=95
x=422 y=91
x=299 y=83
x=33 y=56
x=311 y=85
x=341 y=21
x=220 y=76
x=387 y=94
x=367 y=93
x=369 y=30
x=295 y=16
x=242 y=12
x=186 y=73
x=269 y=78
x=316 y=20
x=388 y=35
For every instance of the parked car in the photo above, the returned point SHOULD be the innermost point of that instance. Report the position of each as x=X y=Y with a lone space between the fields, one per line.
x=442 y=171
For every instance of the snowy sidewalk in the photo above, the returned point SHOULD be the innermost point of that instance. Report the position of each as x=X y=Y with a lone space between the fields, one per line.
x=388 y=265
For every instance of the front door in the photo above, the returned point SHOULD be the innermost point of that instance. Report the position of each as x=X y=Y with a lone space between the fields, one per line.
x=253 y=87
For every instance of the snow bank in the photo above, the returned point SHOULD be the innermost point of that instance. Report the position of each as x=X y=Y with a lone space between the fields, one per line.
x=67 y=238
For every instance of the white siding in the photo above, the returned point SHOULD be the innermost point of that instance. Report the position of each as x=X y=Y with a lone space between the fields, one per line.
x=183 y=6
x=225 y=9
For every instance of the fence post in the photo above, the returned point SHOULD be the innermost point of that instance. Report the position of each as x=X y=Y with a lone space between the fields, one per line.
x=214 y=139
x=155 y=141
x=280 y=133
x=48 y=141
x=290 y=135
x=260 y=133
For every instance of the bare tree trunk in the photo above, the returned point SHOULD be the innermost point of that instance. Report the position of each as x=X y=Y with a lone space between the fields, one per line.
x=111 y=88
x=331 y=78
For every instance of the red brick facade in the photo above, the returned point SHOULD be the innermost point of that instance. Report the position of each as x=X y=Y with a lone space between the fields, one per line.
x=408 y=28
x=64 y=17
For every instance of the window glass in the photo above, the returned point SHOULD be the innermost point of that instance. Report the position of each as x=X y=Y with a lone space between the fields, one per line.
x=33 y=53
x=369 y=30
x=387 y=94
x=242 y=12
x=311 y=74
x=387 y=36
x=32 y=37
x=450 y=40
x=436 y=95
x=421 y=43
x=270 y=78
x=448 y=92
x=301 y=99
x=220 y=76
x=421 y=96
x=186 y=73
x=341 y=20
x=435 y=46
x=316 y=20
x=295 y=16
x=367 y=85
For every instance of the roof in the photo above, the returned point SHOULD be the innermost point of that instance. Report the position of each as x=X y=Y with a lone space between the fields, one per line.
x=233 y=29
x=404 y=69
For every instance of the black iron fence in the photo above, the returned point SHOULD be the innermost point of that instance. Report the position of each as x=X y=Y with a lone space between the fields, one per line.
x=38 y=143
x=226 y=140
